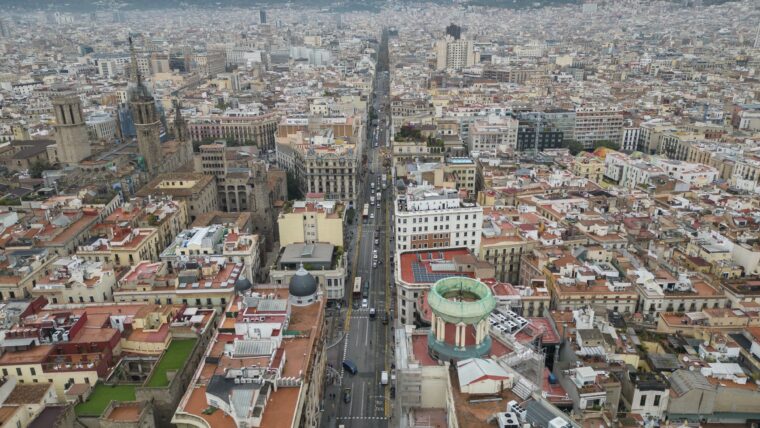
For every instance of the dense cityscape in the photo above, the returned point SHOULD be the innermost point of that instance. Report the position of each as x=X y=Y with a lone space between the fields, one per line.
x=455 y=214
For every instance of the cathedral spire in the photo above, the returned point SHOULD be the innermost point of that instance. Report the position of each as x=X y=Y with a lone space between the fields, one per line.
x=134 y=70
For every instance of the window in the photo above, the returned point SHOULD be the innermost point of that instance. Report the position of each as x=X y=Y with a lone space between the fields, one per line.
x=18 y=371
x=5 y=372
x=656 y=400
x=643 y=401
x=32 y=371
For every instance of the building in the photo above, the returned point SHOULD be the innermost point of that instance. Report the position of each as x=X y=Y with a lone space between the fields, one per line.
x=456 y=54
x=197 y=191
x=216 y=242
x=325 y=262
x=459 y=326
x=548 y=138
x=312 y=222
x=280 y=343
x=416 y=271
x=493 y=134
x=430 y=218
x=502 y=244
x=20 y=269
x=251 y=128
x=74 y=280
x=197 y=282
x=323 y=164
x=245 y=183
x=145 y=117
x=597 y=124
x=21 y=155
x=71 y=137
x=120 y=245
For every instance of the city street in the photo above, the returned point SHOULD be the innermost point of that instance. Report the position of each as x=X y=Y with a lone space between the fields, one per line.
x=366 y=341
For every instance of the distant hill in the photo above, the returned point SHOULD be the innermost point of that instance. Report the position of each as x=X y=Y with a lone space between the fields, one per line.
x=332 y=5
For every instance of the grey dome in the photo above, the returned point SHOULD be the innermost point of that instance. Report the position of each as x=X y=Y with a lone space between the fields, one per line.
x=302 y=284
x=242 y=284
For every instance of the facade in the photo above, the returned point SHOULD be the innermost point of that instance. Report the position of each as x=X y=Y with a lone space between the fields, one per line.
x=215 y=242
x=74 y=280
x=247 y=128
x=594 y=124
x=455 y=53
x=197 y=191
x=493 y=134
x=72 y=139
x=325 y=262
x=145 y=118
x=282 y=383
x=312 y=222
x=426 y=217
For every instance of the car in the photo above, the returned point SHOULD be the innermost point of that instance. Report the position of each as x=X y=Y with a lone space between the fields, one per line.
x=377 y=241
x=350 y=367
x=365 y=303
x=371 y=216
x=385 y=318
x=374 y=265
x=372 y=313
x=393 y=392
x=347 y=395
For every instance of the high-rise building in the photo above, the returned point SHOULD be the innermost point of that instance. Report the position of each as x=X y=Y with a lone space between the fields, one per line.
x=454 y=31
x=596 y=124
x=455 y=54
x=5 y=29
x=145 y=117
x=72 y=141
x=263 y=16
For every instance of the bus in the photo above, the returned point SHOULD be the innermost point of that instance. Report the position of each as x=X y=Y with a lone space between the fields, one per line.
x=357 y=293
x=365 y=213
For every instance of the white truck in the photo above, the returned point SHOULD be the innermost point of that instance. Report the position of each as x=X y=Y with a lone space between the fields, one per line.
x=384 y=378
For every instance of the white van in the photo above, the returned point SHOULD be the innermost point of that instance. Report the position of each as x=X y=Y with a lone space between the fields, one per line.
x=384 y=378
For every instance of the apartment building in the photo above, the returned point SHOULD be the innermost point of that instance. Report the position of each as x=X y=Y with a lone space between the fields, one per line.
x=595 y=124
x=197 y=282
x=322 y=163
x=251 y=128
x=120 y=245
x=427 y=217
x=451 y=53
x=215 y=242
x=75 y=280
x=493 y=134
x=502 y=244
x=310 y=222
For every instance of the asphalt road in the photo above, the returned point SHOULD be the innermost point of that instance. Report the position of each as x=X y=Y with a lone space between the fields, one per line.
x=365 y=342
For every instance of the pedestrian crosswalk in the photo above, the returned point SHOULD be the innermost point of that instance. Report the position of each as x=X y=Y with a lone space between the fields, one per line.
x=363 y=418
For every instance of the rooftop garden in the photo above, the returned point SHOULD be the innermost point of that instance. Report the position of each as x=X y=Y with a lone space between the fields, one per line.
x=173 y=359
x=409 y=133
x=102 y=395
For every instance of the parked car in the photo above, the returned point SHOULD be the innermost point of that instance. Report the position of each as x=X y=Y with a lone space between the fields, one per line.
x=347 y=395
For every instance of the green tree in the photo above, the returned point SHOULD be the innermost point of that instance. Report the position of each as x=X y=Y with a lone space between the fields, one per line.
x=574 y=147
x=350 y=213
x=607 y=144
x=294 y=190
x=38 y=167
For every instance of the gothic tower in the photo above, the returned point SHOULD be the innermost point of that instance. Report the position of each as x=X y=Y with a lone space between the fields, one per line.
x=72 y=140
x=180 y=126
x=145 y=117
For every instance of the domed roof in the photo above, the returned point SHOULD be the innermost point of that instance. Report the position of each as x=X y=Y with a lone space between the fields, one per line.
x=302 y=284
x=242 y=284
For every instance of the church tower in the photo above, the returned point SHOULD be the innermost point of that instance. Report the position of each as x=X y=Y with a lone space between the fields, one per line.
x=145 y=117
x=180 y=126
x=72 y=140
